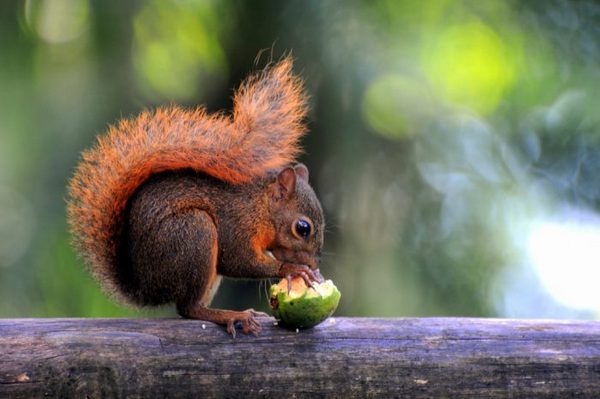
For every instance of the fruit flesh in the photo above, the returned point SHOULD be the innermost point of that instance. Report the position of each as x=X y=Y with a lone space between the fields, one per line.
x=303 y=306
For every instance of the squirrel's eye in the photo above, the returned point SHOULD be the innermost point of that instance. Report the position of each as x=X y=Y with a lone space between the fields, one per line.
x=302 y=228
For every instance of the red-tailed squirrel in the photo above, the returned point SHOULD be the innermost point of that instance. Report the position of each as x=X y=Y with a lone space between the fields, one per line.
x=168 y=202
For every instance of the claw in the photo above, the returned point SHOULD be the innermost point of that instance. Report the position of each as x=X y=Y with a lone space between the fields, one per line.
x=289 y=271
x=248 y=322
x=319 y=276
x=231 y=327
x=289 y=282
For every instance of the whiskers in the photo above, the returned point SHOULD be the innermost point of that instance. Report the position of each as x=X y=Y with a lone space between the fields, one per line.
x=263 y=288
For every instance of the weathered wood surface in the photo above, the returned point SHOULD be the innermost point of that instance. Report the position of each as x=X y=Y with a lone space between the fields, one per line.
x=436 y=357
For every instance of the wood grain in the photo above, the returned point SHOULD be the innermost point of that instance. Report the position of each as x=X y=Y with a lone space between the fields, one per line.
x=350 y=357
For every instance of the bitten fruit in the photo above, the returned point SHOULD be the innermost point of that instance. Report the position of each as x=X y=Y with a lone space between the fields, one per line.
x=303 y=306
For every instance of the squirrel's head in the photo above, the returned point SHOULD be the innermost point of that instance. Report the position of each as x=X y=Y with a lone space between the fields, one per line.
x=297 y=217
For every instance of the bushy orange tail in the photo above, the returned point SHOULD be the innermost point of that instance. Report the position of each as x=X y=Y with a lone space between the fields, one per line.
x=263 y=134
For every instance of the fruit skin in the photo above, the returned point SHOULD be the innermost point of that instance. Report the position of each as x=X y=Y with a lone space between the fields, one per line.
x=303 y=310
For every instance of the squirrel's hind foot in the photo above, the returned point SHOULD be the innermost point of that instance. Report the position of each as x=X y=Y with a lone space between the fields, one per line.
x=229 y=318
x=247 y=319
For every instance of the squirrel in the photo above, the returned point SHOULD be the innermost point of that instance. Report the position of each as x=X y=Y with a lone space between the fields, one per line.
x=168 y=202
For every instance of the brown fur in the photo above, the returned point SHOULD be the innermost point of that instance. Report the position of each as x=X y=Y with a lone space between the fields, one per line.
x=262 y=135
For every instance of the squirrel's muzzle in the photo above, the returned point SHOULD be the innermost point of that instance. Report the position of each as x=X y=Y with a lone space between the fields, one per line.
x=286 y=255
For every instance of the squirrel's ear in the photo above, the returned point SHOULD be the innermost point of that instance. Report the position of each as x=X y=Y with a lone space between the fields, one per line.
x=302 y=171
x=286 y=183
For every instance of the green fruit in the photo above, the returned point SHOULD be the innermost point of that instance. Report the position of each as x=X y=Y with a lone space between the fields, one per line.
x=303 y=307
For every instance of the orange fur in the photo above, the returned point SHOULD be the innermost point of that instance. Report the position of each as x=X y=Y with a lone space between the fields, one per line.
x=214 y=280
x=262 y=239
x=262 y=134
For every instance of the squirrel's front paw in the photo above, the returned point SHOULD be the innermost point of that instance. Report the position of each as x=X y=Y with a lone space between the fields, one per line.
x=248 y=321
x=289 y=271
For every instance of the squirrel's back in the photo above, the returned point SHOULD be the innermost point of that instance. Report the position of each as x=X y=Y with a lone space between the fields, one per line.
x=262 y=134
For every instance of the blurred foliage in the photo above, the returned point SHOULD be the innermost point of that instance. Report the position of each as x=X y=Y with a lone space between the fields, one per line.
x=442 y=134
x=176 y=51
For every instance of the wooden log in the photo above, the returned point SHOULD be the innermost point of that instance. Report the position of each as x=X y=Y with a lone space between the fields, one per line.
x=343 y=357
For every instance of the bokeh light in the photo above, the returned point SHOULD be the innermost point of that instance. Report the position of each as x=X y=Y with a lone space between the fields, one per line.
x=566 y=259
x=470 y=65
x=394 y=105
x=58 y=21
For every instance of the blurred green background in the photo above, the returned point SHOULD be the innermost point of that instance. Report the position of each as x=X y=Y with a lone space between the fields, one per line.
x=455 y=145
